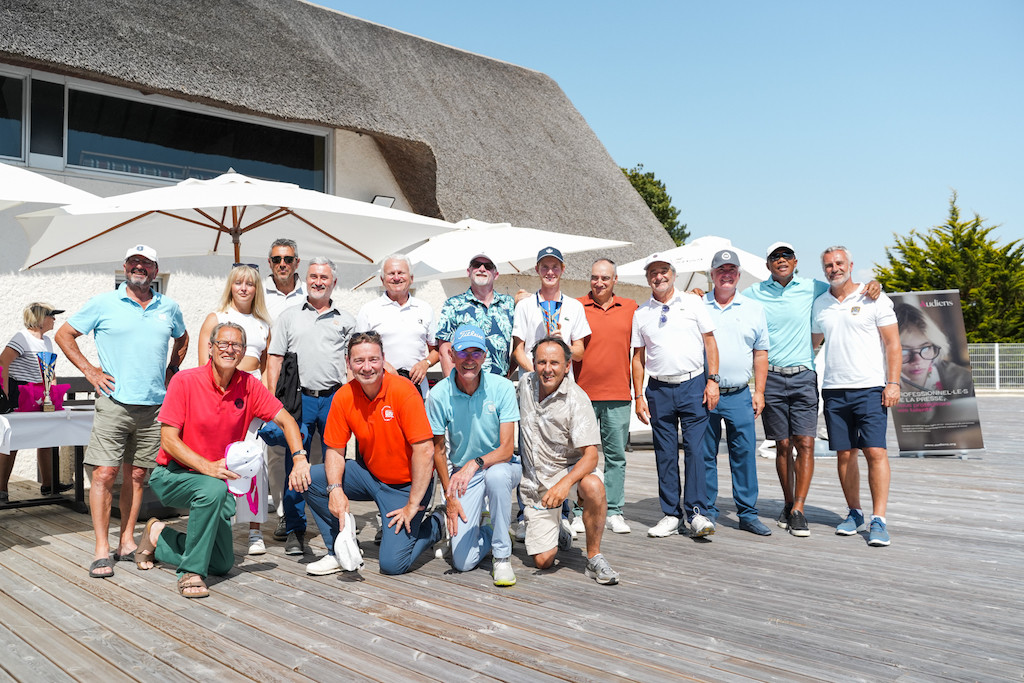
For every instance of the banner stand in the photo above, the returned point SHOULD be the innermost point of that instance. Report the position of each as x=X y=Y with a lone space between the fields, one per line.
x=961 y=455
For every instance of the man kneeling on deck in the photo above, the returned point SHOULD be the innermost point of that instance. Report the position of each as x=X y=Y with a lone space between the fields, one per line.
x=385 y=413
x=206 y=410
x=559 y=437
x=476 y=412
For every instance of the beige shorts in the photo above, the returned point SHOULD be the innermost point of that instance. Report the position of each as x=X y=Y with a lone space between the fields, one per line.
x=123 y=433
x=542 y=524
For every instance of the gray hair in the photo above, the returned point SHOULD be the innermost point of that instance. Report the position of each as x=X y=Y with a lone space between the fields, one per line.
x=671 y=266
x=837 y=247
x=615 y=269
x=396 y=257
x=323 y=261
x=284 y=242
x=220 y=326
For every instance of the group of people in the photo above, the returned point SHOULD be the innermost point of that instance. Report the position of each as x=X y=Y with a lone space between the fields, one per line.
x=581 y=362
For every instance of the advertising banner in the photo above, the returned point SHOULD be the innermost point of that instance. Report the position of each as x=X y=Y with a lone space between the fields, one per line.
x=938 y=410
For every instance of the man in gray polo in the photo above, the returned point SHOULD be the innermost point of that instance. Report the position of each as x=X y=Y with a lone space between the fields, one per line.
x=317 y=332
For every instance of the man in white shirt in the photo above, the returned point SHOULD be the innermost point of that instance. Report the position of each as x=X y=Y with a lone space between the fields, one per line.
x=672 y=332
x=860 y=384
x=548 y=314
x=283 y=289
x=405 y=324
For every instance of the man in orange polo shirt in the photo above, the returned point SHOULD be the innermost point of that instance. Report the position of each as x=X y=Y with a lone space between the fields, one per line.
x=605 y=374
x=386 y=415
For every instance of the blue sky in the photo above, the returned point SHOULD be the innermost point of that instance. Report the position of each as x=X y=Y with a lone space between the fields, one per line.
x=814 y=122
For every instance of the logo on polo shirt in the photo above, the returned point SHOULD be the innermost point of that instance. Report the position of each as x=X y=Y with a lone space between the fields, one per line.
x=490 y=407
x=239 y=403
x=855 y=310
x=388 y=413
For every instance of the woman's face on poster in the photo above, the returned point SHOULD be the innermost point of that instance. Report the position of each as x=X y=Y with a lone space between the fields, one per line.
x=919 y=353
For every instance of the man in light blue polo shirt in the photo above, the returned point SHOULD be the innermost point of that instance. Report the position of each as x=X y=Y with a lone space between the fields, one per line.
x=132 y=326
x=790 y=415
x=742 y=336
x=475 y=413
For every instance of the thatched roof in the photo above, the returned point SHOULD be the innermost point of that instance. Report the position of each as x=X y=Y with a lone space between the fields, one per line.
x=465 y=135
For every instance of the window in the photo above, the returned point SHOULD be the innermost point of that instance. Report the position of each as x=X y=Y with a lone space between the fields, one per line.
x=115 y=134
x=47 y=131
x=12 y=115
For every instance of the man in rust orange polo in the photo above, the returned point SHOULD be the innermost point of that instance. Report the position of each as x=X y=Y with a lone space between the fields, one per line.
x=605 y=374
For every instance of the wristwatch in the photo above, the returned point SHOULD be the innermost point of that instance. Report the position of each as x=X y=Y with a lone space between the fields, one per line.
x=479 y=462
x=302 y=452
x=331 y=487
x=716 y=378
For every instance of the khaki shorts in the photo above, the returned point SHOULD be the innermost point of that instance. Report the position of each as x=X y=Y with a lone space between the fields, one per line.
x=542 y=524
x=123 y=433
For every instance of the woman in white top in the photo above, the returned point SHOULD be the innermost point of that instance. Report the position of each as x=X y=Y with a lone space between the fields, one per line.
x=20 y=365
x=243 y=302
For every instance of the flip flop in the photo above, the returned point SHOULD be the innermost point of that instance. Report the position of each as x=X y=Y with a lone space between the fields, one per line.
x=191 y=580
x=146 y=552
x=102 y=563
x=126 y=557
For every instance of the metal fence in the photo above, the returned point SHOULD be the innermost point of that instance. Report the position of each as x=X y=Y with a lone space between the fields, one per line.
x=997 y=366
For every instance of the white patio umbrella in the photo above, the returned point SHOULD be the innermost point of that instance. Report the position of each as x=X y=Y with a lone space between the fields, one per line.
x=231 y=215
x=693 y=261
x=22 y=186
x=512 y=249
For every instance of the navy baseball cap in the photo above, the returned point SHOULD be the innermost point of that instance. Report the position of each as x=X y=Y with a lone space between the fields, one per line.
x=550 y=251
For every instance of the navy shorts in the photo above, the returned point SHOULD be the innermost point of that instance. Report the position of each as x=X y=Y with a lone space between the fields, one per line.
x=790 y=405
x=855 y=418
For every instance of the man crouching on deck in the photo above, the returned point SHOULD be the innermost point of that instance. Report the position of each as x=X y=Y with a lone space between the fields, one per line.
x=206 y=409
x=559 y=437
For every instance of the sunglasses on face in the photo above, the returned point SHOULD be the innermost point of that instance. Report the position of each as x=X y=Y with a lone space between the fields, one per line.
x=475 y=354
x=486 y=264
x=251 y=265
x=277 y=259
x=787 y=255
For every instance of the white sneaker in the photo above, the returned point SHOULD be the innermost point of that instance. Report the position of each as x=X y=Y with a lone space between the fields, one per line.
x=577 y=527
x=502 y=573
x=328 y=564
x=256 y=544
x=701 y=526
x=617 y=524
x=520 y=532
x=668 y=526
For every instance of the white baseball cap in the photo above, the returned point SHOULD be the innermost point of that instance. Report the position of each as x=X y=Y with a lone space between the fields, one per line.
x=141 y=250
x=244 y=458
x=779 y=245
x=346 y=547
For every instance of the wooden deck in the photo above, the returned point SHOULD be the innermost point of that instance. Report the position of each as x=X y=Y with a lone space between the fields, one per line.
x=944 y=602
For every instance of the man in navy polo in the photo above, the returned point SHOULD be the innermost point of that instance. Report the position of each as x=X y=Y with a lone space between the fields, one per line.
x=475 y=412
x=742 y=335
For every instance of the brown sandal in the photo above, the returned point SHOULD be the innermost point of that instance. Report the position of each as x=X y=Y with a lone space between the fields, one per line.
x=146 y=552
x=191 y=580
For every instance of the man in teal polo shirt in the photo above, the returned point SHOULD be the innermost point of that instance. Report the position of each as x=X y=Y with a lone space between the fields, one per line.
x=790 y=415
x=132 y=326
x=475 y=412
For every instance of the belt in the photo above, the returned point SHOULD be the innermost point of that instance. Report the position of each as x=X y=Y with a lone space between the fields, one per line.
x=725 y=391
x=677 y=379
x=786 y=372
x=319 y=393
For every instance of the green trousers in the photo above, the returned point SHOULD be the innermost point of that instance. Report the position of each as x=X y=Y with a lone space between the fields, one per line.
x=206 y=546
x=613 y=416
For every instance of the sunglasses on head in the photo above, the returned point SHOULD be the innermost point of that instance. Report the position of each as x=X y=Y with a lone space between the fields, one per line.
x=287 y=259
x=486 y=264
x=251 y=265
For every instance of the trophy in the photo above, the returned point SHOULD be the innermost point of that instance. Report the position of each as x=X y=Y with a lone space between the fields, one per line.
x=48 y=371
x=550 y=311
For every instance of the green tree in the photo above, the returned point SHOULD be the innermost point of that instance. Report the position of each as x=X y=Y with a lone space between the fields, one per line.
x=961 y=255
x=657 y=198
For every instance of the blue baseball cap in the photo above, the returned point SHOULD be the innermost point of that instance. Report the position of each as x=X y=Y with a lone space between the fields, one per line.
x=469 y=337
x=550 y=251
